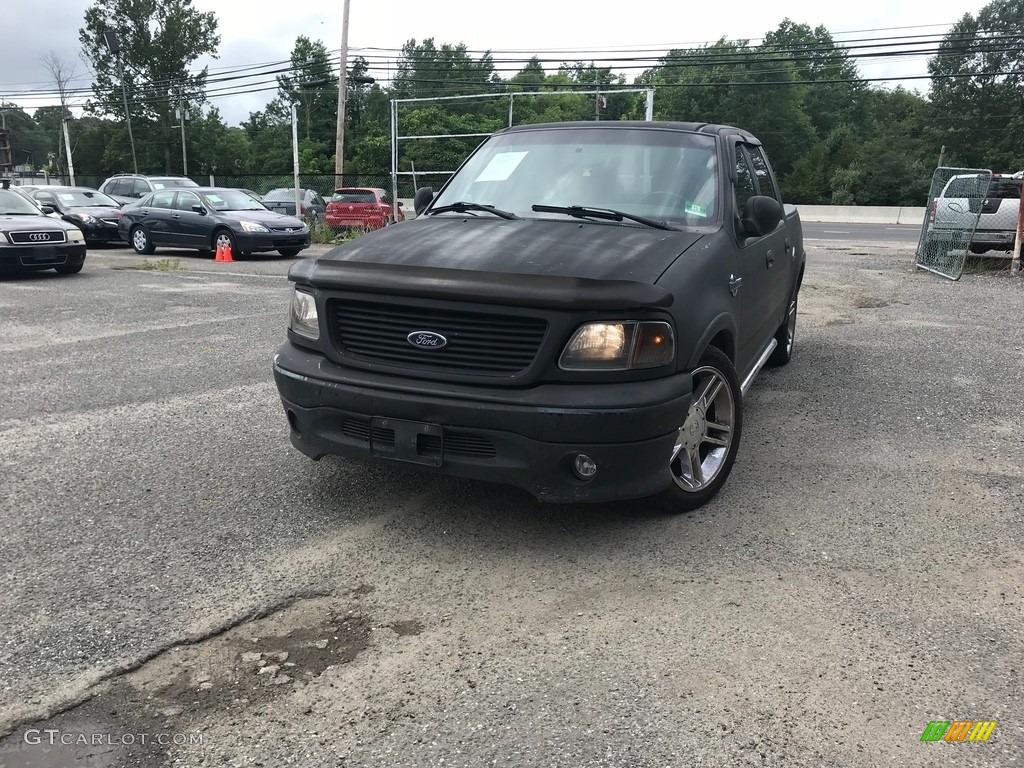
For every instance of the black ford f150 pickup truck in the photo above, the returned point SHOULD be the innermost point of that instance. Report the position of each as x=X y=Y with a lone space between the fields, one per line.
x=578 y=312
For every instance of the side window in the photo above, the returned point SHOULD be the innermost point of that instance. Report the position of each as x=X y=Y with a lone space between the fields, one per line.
x=122 y=187
x=762 y=171
x=745 y=188
x=186 y=200
x=45 y=198
x=162 y=199
x=140 y=188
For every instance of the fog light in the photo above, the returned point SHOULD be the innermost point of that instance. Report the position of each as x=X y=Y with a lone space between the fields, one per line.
x=584 y=467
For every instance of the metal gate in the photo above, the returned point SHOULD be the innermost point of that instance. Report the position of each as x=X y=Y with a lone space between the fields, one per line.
x=954 y=207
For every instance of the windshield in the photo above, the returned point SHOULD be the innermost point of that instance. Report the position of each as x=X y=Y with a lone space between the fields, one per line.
x=353 y=196
x=83 y=198
x=282 y=195
x=164 y=183
x=13 y=204
x=658 y=174
x=232 y=200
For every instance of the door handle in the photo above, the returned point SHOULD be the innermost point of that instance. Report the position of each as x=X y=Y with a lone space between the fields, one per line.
x=769 y=257
x=175 y=215
x=735 y=283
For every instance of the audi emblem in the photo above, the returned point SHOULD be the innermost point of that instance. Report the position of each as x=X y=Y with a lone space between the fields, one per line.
x=39 y=237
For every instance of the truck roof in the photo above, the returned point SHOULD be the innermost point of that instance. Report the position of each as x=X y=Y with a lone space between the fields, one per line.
x=671 y=125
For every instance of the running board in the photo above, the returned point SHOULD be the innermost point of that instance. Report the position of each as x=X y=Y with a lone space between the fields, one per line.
x=757 y=368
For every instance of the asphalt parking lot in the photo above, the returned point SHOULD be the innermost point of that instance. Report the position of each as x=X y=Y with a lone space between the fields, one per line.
x=176 y=573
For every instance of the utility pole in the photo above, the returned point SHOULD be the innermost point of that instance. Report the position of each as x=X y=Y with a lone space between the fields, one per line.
x=295 y=161
x=184 y=156
x=339 y=142
x=67 y=148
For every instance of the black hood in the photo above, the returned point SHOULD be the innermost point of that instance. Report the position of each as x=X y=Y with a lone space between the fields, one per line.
x=97 y=212
x=551 y=247
x=40 y=223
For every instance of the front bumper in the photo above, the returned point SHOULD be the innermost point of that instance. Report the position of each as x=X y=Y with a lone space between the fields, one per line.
x=41 y=256
x=257 y=242
x=99 y=233
x=523 y=437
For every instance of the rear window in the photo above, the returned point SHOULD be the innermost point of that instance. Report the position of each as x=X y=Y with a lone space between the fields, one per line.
x=353 y=196
x=280 y=196
x=165 y=183
x=1004 y=189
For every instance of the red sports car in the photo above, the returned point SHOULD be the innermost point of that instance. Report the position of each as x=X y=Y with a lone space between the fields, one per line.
x=362 y=208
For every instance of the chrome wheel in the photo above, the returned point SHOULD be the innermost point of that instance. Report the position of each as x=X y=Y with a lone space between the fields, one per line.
x=223 y=240
x=790 y=327
x=703 y=443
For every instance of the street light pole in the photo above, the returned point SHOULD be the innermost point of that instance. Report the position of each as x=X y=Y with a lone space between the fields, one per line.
x=295 y=160
x=67 y=149
x=184 y=156
x=339 y=140
x=114 y=46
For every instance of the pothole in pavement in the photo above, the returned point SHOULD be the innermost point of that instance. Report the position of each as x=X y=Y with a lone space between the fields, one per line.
x=133 y=719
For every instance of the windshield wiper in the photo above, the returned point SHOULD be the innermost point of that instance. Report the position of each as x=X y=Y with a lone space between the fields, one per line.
x=608 y=214
x=463 y=207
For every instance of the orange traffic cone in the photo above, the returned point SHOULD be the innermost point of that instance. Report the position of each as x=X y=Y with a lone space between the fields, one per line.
x=227 y=253
x=219 y=253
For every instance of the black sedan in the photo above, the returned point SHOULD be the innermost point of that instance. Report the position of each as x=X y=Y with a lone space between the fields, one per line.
x=30 y=239
x=92 y=212
x=206 y=218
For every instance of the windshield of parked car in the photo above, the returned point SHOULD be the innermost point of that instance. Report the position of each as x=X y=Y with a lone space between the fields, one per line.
x=164 y=183
x=282 y=195
x=13 y=204
x=82 y=198
x=232 y=200
x=353 y=196
x=659 y=174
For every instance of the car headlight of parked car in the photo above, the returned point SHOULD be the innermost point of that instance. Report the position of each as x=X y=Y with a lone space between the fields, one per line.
x=619 y=346
x=75 y=235
x=303 y=319
x=252 y=226
x=84 y=218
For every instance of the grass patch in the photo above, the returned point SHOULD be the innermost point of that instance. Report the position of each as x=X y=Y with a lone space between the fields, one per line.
x=324 y=235
x=161 y=265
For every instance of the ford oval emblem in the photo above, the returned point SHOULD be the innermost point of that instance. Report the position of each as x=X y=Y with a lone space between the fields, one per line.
x=427 y=340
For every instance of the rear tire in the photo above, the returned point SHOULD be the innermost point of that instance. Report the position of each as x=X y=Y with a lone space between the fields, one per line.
x=785 y=336
x=70 y=269
x=707 y=442
x=289 y=253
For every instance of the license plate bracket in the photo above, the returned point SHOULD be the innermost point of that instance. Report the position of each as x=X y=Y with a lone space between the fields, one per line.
x=414 y=442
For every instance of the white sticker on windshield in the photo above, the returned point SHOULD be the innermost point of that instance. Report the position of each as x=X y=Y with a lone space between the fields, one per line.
x=67 y=198
x=501 y=166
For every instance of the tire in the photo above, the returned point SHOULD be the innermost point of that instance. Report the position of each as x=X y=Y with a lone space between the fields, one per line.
x=289 y=253
x=786 y=334
x=140 y=240
x=70 y=269
x=226 y=236
x=709 y=439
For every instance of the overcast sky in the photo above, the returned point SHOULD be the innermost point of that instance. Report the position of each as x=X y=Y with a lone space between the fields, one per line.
x=258 y=31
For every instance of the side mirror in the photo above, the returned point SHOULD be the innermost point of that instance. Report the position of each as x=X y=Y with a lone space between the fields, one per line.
x=47 y=209
x=761 y=215
x=424 y=195
x=199 y=209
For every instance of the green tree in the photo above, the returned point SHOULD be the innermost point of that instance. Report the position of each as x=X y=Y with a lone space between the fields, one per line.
x=159 y=40
x=977 y=88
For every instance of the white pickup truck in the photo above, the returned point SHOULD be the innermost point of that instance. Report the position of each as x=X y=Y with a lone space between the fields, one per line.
x=996 y=207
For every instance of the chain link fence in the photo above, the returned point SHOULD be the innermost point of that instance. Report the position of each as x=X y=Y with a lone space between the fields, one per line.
x=955 y=202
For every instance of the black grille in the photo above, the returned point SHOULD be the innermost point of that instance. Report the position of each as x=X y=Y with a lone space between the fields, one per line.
x=477 y=342
x=455 y=443
x=37 y=238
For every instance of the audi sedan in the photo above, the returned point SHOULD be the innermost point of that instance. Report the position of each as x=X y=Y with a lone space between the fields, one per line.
x=207 y=218
x=32 y=240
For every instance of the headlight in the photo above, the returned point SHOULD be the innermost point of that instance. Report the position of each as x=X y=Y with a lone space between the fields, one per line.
x=619 y=346
x=252 y=226
x=85 y=218
x=303 y=319
x=75 y=234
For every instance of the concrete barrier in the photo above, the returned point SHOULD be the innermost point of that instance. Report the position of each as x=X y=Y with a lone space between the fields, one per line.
x=861 y=214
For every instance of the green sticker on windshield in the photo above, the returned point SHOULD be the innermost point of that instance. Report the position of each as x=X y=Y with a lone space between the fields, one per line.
x=695 y=209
